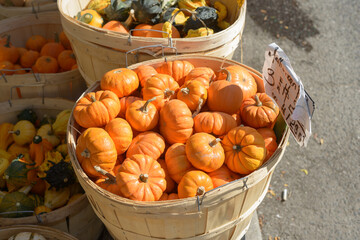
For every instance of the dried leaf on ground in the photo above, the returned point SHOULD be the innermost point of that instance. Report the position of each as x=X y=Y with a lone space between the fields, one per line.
x=305 y=171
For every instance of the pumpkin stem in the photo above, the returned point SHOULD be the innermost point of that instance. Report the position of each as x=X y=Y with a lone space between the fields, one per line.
x=144 y=177
x=144 y=108
x=93 y=99
x=168 y=93
x=200 y=191
x=37 y=139
x=228 y=74
x=17 y=132
x=85 y=154
x=214 y=142
x=105 y=173
x=185 y=90
x=237 y=148
x=198 y=109
x=130 y=19
x=258 y=102
x=86 y=18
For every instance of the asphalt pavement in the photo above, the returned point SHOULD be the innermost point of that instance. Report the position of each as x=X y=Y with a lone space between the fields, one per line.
x=322 y=40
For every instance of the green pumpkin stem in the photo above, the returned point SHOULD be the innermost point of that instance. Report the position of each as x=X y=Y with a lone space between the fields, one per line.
x=93 y=99
x=214 y=142
x=258 y=102
x=200 y=191
x=144 y=177
x=144 y=108
x=105 y=173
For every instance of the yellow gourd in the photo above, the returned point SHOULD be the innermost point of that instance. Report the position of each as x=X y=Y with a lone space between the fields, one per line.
x=200 y=32
x=56 y=198
x=4 y=163
x=5 y=137
x=5 y=154
x=41 y=210
x=62 y=148
x=60 y=124
x=90 y=17
x=223 y=25
x=51 y=158
x=23 y=132
x=47 y=132
x=221 y=11
x=74 y=197
x=191 y=5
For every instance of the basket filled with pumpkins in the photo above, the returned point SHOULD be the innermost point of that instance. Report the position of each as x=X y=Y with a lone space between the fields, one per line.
x=34 y=50
x=180 y=148
x=12 y=8
x=37 y=182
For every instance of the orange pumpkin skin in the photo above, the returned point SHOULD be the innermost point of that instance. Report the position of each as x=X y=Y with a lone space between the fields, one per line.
x=21 y=50
x=65 y=41
x=270 y=141
x=120 y=132
x=66 y=60
x=35 y=43
x=145 y=72
x=170 y=183
x=204 y=75
x=177 y=162
x=205 y=152
x=161 y=86
x=96 y=109
x=109 y=185
x=259 y=111
x=115 y=26
x=159 y=27
x=142 y=115
x=122 y=81
x=9 y=53
x=222 y=176
x=224 y=96
x=176 y=122
x=169 y=196
x=124 y=104
x=20 y=69
x=244 y=150
x=147 y=143
x=140 y=30
x=141 y=178
x=217 y=123
x=46 y=64
x=52 y=49
x=194 y=183
x=237 y=118
x=7 y=65
x=95 y=147
x=192 y=93
x=177 y=69
x=28 y=59
x=241 y=77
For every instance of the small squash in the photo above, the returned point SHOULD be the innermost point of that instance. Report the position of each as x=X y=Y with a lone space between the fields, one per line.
x=15 y=150
x=142 y=115
x=147 y=11
x=191 y=5
x=205 y=17
x=46 y=64
x=6 y=138
x=56 y=198
x=98 y=5
x=28 y=114
x=145 y=72
x=168 y=31
x=8 y=52
x=110 y=183
x=38 y=148
x=6 y=65
x=122 y=81
x=115 y=26
x=16 y=173
x=204 y=75
x=53 y=48
x=270 y=141
x=177 y=162
x=217 y=123
x=47 y=132
x=90 y=17
x=74 y=197
x=5 y=154
x=141 y=178
x=41 y=210
x=124 y=104
x=194 y=183
x=141 y=30
x=35 y=43
x=170 y=183
x=64 y=40
x=16 y=204
x=116 y=10
x=222 y=176
x=147 y=143
x=200 y=32
x=66 y=60
x=177 y=69
x=60 y=124
x=96 y=109
x=121 y=133
x=28 y=59
x=193 y=93
x=23 y=132
x=4 y=164
x=60 y=175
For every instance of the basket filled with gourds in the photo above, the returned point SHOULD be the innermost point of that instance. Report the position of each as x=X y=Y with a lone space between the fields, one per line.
x=33 y=232
x=12 y=8
x=35 y=50
x=161 y=142
x=37 y=182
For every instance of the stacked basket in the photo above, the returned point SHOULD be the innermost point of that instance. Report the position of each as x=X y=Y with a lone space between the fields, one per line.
x=28 y=7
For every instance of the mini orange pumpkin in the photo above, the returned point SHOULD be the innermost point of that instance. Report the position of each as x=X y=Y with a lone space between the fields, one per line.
x=144 y=72
x=177 y=69
x=147 y=143
x=52 y=49
x=170 y=184
x=90 y=17
x=20 y=69
x=205 y=152
x=222 y=176
x=66 y=60
x=193 y=93
x=259 y=111
x=8 y=52
x=64 y=40
x=142 y=115
x=46 y=64
x=35 y=43
x=244 y=150
x=194 y=183
x=161 y=86
x=270 y=141
x=159 y=27
x=8 y=66
x=115 y=26
x=169 y=196
x=95 y=147
x=176 y=122
x=122 y=81
x=109 y=183
x=141 y=178
x=217 y=123
x=204 y=75
x=124 y=104
x=120 y=132
x=140 y=30
x=28 y=59
x=177 y=162
x=96 y=109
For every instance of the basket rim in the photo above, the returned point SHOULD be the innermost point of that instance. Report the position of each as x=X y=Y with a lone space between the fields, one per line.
x=254 y=177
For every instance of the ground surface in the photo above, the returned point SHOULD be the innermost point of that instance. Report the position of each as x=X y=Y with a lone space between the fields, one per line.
x=321 y=38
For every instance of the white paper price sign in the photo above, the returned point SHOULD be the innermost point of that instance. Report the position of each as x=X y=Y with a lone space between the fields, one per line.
x=286 y=88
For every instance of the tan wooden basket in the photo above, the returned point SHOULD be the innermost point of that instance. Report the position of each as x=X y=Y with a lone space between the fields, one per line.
x=77 y=218
x=67 y=85
x=36 y=7
x=222 y=213
x=95 y=47
x=47 y=232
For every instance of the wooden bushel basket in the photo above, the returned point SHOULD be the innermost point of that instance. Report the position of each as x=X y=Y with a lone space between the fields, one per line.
x=47 y=232
x=77 y=218
x=67 y=85
x=100 y=50
x=36 y=7
x=223 y=213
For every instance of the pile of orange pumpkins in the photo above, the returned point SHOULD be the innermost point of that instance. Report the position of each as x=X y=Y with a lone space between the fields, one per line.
x=39 y=55
x=174 y=131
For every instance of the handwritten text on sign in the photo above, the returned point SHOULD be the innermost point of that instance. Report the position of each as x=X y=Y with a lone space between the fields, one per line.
x=286 y=88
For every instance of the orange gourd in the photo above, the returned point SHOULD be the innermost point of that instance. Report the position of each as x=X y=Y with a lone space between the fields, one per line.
x=96 y=109
x=38 y=149
x=8 y=52
x=38 y=184
x=204 y=75
x=46 y=64
x=170 y=183
x=176 y=122
x=144 y=72
x=116 y=26
x=21 y=50
x=28 y=59
x=95 y=147
x=169 y=196
x=161 y=86
x=159 y=27
x=35 y=43
x=142 y=115
x=52 y=49
x=8 y=66
x=64 y=40
x=270 y=141
x=205 y=152
x=194 y=183
x=193 y=93
x=124 y=104
x=120 y=132
x=222 y=176
x=122 y=81
x=141 y=178
x=177 y=69
x=147 y=143
x=217 y=123
x=244 y=150
x=177 y=162
x=241 y=77
x=66 y=60
x=259 y=111
x=140 y=30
